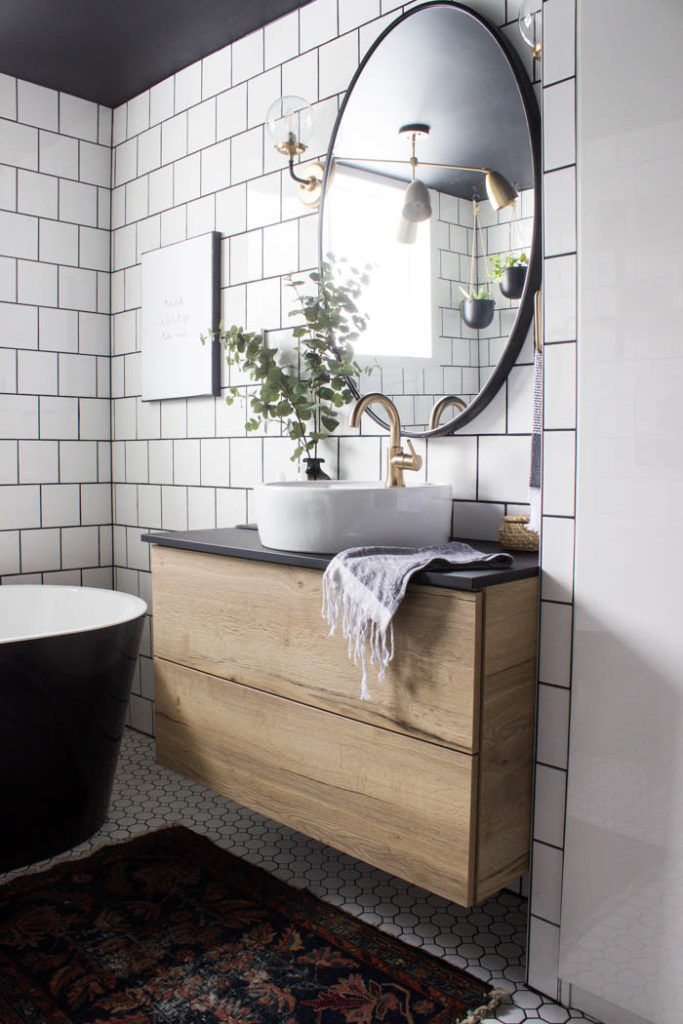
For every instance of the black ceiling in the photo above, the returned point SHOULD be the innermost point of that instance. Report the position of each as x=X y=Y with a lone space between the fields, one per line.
x=111 y=50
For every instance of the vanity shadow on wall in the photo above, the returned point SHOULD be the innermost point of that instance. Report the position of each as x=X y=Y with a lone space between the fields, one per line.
x=442 y=68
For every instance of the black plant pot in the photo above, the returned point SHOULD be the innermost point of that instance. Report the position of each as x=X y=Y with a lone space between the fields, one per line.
x=477 y=313
x=314 y=470
x=512 y=282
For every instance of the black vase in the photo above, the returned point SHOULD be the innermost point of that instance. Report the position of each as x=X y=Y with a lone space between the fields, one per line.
x=314 y=470
x=477 y=313
x=512 y=282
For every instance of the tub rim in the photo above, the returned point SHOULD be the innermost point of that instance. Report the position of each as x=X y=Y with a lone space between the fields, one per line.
x=137 y=607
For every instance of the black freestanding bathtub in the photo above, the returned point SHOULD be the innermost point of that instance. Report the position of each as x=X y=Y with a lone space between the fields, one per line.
x=67 y=657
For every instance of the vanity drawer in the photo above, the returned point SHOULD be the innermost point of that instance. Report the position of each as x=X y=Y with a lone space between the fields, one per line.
x=260 y=624
x=405 y=805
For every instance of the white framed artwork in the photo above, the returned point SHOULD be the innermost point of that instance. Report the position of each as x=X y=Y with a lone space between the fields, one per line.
x=180 y=302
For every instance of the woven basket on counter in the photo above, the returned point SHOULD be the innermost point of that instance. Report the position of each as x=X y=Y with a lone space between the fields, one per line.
x=512 y=533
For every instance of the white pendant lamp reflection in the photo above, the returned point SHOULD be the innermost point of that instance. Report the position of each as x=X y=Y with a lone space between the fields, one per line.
x=416 y=203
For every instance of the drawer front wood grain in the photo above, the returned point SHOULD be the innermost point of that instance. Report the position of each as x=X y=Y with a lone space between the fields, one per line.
x=260 y=624
x=395 y=801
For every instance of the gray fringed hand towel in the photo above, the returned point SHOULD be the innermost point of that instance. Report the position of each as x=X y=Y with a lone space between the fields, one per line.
x=363 y=587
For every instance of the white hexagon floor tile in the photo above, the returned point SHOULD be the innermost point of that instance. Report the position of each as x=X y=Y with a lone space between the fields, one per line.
x=487 y=940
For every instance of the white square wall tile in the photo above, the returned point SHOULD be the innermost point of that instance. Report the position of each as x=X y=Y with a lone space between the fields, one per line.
x=18 y=326
x=78 y=117
x=149 y=150
x=338 y=61
x=453 y=460
x=188 y=86
x=231 y=507
x=559 y=458
x=215 y=462
x=161 y=100
x=18 y=235
x=37 y=373
x=78 y=375
x=174 y=508
x=504 y=464
x=215 y=167
x=549 y=802
x=281 y=39
x=262 y=91
x=559 y=43
x=186 y=462
x=559 y=302
x=300 y=76
x=247 y=56
x=58 y=155
x=559 y=219
x=9 y=552
x=58 y=330
x=37 y=194
x=58 y=242
x=37 y=105
x=77 y=461
x=546 y=882
x=246 y=155
x=246 y=462
x=9 y=462
x=216 y=72
x=125 y=162
x=559 y=386
x=78 y=202
x=60 y=505
x=543 y=952
x=174 y=139
x=559 y=125
x=19 y=145
x=280 y=248
x=137 y=116
x=231 y=112
x=557 y=559
x=95 y=164
x=78 y=289
x=263 y=205
x=520 y=393
x=40 y=550
x=186 y=179
x=553 y=726
x=555 y=662
x=37 y=283
x=8 y=279
x=8 y=97
x=201 y=125
x=94 y=419
x=8 y=371
x=355 y=12
x=201 y=508
x=80 y=547
x=8 y=188
x=318 y=23
x=38 y=462
x=20 y=507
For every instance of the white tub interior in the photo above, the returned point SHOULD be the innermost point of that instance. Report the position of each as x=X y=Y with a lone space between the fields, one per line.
x=29 y=611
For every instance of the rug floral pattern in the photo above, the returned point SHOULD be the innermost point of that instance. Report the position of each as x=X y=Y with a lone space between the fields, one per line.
x=170 y=929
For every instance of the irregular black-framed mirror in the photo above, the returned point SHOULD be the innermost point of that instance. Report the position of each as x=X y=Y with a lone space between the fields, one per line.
x=443 y=86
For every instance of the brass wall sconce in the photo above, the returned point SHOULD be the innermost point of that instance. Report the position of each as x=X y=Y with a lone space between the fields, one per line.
x=289 y=122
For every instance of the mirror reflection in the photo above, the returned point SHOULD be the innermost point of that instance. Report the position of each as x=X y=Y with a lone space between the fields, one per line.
x=431 y=182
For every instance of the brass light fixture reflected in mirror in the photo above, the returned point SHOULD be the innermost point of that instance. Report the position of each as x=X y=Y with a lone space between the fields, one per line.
x=289 y=122
x=417 y=206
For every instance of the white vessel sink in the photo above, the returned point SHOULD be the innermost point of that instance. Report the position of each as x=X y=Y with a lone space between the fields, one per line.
x=327 y=516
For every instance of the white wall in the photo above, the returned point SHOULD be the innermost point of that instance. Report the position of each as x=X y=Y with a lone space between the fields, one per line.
x=622 y=918
x=55 y=490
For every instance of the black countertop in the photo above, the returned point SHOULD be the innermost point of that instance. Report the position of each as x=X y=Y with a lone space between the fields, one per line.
x=238 y=542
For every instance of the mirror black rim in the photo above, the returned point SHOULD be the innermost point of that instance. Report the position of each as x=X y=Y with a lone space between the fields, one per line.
x=525 y=311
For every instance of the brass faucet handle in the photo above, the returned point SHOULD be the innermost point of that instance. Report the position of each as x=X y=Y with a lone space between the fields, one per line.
x=412 y=461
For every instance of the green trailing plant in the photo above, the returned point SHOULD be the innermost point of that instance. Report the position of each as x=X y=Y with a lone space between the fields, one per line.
x=480 y=292
x=499 y=263
x=303 y=388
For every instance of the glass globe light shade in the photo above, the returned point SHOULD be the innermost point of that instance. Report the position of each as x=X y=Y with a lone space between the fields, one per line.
x=530 y=25
x=290 y=119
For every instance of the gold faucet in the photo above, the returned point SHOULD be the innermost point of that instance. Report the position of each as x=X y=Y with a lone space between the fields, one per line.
x=397 y=459
x=441 y=407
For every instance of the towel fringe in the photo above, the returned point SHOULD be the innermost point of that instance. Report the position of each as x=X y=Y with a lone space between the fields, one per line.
x=498 y=996
x=365 y=636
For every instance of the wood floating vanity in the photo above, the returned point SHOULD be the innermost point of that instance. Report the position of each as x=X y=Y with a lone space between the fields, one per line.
x=429 y=780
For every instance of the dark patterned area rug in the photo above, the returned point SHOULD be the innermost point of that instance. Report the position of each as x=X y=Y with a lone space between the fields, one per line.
x=170 y=929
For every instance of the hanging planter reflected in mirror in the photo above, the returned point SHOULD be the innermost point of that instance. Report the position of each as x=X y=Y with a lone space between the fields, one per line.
x=510 y=273
x=477 y=308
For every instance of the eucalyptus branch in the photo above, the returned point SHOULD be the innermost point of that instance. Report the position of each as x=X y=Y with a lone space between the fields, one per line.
x=311 y=393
